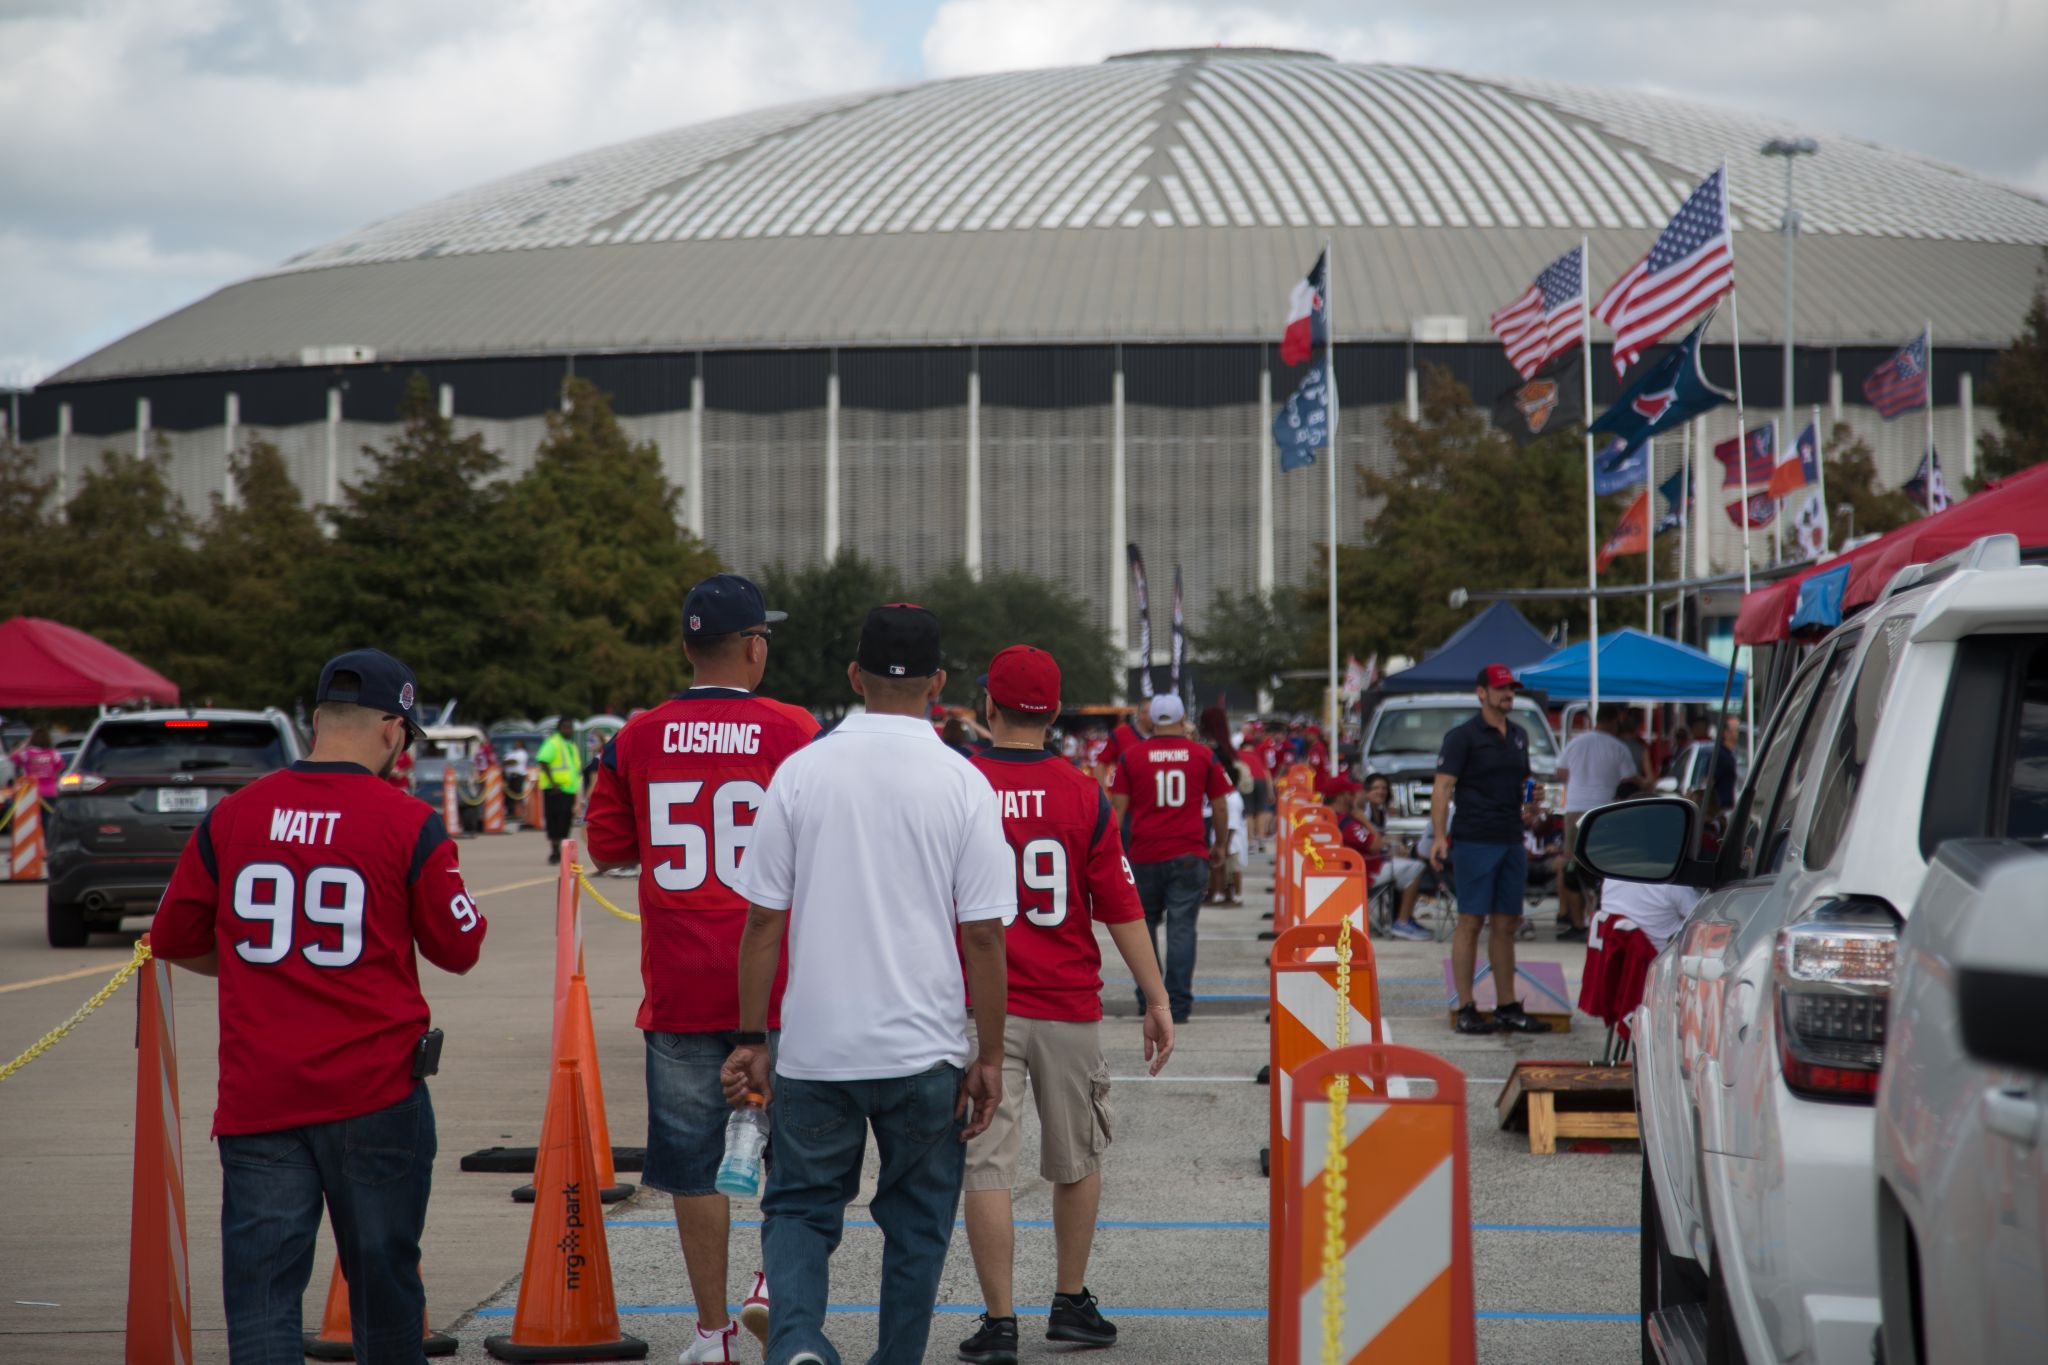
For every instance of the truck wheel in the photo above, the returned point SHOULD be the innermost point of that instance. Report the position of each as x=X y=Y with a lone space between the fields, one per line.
x=1667 y=1280
x=65 y=925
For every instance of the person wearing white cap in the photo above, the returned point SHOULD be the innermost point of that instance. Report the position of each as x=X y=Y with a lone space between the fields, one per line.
x=1164 y=782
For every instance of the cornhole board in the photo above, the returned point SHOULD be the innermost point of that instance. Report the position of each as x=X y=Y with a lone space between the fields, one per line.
x=1568 y=1100
x=1539 y=986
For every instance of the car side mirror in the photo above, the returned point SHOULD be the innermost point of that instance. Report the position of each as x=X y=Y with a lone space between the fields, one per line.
x=1645 y=840
x=2000 y=1012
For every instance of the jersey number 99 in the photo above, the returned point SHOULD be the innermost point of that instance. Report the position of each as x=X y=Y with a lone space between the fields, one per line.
x=1042 y=866
x=267 y=893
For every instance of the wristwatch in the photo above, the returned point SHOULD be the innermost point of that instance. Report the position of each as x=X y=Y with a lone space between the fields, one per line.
x=751 y=1038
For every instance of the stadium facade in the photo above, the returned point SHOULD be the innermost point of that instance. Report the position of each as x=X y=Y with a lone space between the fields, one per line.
x=1020 y=319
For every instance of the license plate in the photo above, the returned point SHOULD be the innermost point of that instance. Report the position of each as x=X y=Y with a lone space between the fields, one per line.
x=180 y=799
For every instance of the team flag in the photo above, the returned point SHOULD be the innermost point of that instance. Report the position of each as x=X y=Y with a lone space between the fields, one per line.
x=1664 y=397
x=1927 y=489
x=1308 y=325
x=1690 y=265
x=1810 y=525
x=1549 y=402
x=1677 y=494
x=1619 y=465
x=1144 y=604
x=1303 y=422
x=1900 y=383
x=1355 y=681
x=1632 y=536
x=1180 y=632
x=1801 y=466
x=1763 y=510
x=1549 y=317
x=1760 y=463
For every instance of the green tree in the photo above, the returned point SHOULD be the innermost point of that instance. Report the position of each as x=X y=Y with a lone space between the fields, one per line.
x=826 y=603
x=2018 y=391
x=423 y=565
x=979 y=616
x=1250 y=637
x=1852 y=481
x=1463 y=508
x=252 y=555
x=24 y=521
x=606 y=564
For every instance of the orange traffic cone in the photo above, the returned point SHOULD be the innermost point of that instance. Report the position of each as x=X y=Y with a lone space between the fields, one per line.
x=333 y=1342
x=579 y=1041
x=159 y=1281
x=566 y=1307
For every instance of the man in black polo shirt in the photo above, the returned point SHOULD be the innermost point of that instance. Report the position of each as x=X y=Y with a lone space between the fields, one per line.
x=1481 y=769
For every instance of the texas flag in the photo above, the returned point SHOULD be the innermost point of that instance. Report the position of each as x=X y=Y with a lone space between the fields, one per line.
x=1801 y=466
x=1308 y=324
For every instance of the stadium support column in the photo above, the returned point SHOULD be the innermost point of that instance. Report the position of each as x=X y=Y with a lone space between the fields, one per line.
x=63 y=456
x=832 y=459
x=142 y=428
x=694 y=470
x=972 y=550
x=332 y=484
x=444 y=402
x=1834 y=397
x=1966 y=398
x=1119 y=537
x=231 y=421
x=1262 y=445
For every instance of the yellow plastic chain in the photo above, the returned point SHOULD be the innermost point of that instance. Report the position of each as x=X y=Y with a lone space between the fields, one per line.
x=100 y=997
x=1333 y=1168
x=598 y=896
x=1310 y=851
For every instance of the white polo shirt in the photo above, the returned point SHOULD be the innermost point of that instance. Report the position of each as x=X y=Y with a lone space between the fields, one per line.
x=880 y=841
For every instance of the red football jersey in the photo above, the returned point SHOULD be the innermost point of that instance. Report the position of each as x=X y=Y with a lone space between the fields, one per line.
x=1125 y=736
x=1272 y=753
x=676 y=792
x=1070 y=871
x=314 y=884
x=1169 y=780
x=1362 y=839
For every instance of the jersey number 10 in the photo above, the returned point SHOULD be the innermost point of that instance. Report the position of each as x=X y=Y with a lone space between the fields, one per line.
x=1171 y=785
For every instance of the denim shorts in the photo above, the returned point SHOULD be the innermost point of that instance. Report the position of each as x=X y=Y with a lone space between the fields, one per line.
x=1488 y=877
x=686 y=1110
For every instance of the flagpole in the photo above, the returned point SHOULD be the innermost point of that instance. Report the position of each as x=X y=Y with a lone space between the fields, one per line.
x=1742 y=463
x=1684 y=524
x=1927 y=507
x=1650 y=539
x=1777 y=516
x=1820 y=475
x=1592 y=547
x=1335 y=738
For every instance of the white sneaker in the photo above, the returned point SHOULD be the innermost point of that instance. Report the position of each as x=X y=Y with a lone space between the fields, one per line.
x=807 y=1358
x=754 y=1310
x=712 y=1348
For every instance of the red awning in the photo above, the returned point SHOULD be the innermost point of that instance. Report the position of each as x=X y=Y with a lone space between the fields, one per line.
x=43 y=663
x=2018 y=505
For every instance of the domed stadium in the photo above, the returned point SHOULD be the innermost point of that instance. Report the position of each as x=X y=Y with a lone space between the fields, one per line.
x=1021 y=319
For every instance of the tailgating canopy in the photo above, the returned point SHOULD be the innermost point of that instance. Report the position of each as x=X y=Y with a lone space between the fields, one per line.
x=43 y=663
x=1634 y=667
x=2018 y=505
x=1498 y=635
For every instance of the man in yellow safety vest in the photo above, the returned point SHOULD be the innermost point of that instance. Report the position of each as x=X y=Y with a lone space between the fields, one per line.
x=560 y=773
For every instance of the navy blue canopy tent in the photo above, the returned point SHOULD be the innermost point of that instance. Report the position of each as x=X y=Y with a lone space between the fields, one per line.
x=1634 y=667
x=1498 y=635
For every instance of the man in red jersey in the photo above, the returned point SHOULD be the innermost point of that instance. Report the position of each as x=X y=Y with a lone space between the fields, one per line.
x=1071 y=876
x=1127 y=734
x=306 y=892
x=1163 y=783
x=676 y=794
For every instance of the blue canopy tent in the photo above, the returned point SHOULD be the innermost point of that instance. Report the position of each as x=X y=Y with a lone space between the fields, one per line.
x=1498 y=635
x=1635 y=667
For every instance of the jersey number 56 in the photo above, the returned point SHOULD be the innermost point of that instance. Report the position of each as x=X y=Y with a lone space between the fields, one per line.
x=700 y=852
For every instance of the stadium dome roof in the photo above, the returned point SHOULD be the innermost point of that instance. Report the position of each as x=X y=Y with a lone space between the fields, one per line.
x=1163 y=196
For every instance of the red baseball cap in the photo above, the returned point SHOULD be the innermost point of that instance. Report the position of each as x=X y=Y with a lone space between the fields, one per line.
x=1337 y=785
x=1024 y=678
x=1496 y=675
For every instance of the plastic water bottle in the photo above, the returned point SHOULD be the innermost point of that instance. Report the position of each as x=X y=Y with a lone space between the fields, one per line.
x=746 y=1138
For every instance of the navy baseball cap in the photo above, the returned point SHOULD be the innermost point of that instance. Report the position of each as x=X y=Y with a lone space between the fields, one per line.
x=384 y=684
x=725 y=604
x=899 y=640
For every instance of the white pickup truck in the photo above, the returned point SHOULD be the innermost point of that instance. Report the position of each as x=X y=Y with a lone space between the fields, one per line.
x=1764 y=1022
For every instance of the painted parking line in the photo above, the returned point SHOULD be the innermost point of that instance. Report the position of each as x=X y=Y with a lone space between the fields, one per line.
x=1182 y=1225
x=1034 y=1311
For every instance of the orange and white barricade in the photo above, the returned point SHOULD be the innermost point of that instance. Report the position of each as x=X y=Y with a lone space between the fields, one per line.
x=1330 y=886
x=451 y=803
x=159 y=1272
x=494 y=800
x=1376 y=1260
x=1313 y=836
x=25 y=819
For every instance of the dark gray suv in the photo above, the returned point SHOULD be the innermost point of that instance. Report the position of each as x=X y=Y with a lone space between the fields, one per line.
x=141 y=783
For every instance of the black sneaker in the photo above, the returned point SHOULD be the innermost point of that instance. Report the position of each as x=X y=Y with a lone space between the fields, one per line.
x=1571 y=933
x=1470 y=1020
x=1074 y=1319
x=993 y=1343
x=1515 y=1019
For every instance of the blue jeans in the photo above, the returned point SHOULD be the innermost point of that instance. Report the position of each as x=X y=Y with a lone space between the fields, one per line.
x=373 y=1172
x=1172 y=891
x=818 y=1135
x=686 y=1110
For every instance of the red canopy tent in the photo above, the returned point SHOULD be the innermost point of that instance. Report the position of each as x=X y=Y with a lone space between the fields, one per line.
x=2018 y=505
x=44 y=663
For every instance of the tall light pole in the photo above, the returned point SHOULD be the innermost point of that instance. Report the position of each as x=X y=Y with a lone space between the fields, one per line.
x=1790 y=148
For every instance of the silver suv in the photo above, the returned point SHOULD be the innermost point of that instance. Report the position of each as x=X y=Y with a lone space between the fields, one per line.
x=1765 y=1020
x=1408 y=730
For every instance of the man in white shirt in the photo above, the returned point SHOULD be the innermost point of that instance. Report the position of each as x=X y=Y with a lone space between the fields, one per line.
x=1592 y=766
x=1658 y=909
x=878 y=851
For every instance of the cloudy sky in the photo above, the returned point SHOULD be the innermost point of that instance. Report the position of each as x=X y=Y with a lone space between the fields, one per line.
x=163 y=148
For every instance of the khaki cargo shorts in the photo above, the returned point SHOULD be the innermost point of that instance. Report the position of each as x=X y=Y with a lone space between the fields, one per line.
x=1069 y=1083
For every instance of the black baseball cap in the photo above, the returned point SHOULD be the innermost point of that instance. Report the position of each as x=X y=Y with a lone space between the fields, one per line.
x=384 y=684
x=899 y=640
x=725 y=604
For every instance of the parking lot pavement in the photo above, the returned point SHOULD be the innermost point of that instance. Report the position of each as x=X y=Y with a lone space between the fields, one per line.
x=1180 y=1260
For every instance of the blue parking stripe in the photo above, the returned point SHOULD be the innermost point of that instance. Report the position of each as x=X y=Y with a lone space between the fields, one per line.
x=1032 y=1310
x=1183 y=1225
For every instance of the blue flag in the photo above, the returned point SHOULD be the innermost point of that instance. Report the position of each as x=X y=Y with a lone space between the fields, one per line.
x=1303 y=422
x=1666 y=396
x=1677 y=494
x=1619 y=465
x=1819 y=605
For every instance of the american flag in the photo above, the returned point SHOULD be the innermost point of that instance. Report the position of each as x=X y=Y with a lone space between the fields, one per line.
x=1691 y=264
x=1900 y=384
x=1548 y=318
